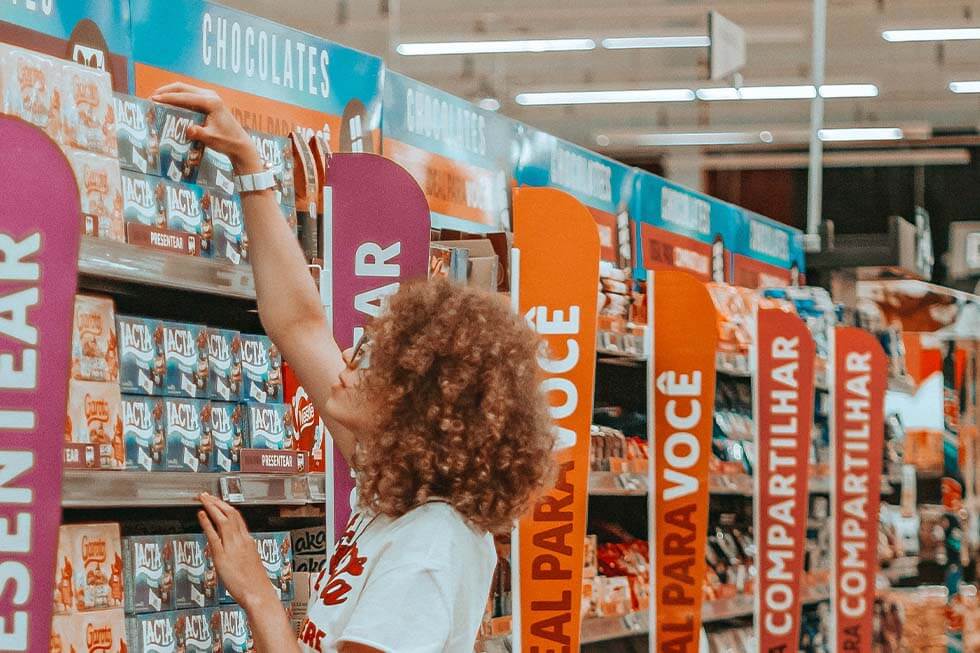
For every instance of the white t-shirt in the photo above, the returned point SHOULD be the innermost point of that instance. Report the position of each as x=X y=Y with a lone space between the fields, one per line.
x=416 y=584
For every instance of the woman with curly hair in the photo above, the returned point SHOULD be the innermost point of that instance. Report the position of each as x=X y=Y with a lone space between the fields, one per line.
x=437 y=409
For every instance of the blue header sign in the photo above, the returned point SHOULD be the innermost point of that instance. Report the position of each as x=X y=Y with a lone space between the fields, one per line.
x=768 y=253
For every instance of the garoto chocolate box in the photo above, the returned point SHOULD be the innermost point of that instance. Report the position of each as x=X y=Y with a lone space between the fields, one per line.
x=195 y=581
x=228 y=435
x=142 y=363
x=144 y=432
x=137 y=139
x=185 y=350
x=94 y=417
x=87 y=110
x=101 y=631
x=261 y=369
x=180 y=157
x=189 y=445
x=31 y=88
x=95 y=355
x=100 y=188
x=149 y=574
x=97 y=565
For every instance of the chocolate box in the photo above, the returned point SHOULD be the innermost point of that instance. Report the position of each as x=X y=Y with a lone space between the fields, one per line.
x=189 y=445
x=87 y=109
x=144 y=432
x=152 y=633
x=97 y=565
x=230 y=623
x=276 y=153
x=101 y=631
x=142 y=199
x=185 y=351
x=179 y=156
x=311 y=432
x=270 y=426
x=64 y=577
x=137 y=139
x=31 y=88
x=216 y=172
x=100 y=187
x=94 y=417
x=149 y=574
x=193 y=631
x=64 y=635
x=225 y=364
x=195 y=581
x=94 y=351
x=183 y=209
x=261 y=368
x=227 y=434
x=142 y=364
x=276 y=553
x=224 y=213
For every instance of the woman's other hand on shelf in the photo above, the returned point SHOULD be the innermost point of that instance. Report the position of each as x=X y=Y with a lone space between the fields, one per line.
x=221 y=130
x=236 y=558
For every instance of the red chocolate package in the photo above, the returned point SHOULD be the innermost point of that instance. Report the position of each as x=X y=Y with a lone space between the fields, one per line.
x=311 y=433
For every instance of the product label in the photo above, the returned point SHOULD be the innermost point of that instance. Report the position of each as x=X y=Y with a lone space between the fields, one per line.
x=783 y=411
x=682 y=386
x=860 y=375
x=557 y=239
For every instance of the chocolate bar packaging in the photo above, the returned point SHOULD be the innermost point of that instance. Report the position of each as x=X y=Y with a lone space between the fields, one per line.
x=152 y=633
x=192 y=629
x=230 y=623
x=216 y=172
x=95 y=355
x=179 y=155
x=270 y=426
x=224 y=215
x=276 y=153
x=276 y=553
x=88 y=114
x=189 y=445
x=261 y=368
x=311 y=432
x=64 y=577
x=64 y=635
x=149 y=574
x=183 y=208
x=94 y=417
x=100 y=188
x=142 y=363
x=143 y=199
x=97 y=565
x=305 y=188
x=225 y=364
x=137 y=139
x=31 y=88
x=195 y=581
x=144 y=433
x=185 y=351
x=227 y=434
x=101 y=631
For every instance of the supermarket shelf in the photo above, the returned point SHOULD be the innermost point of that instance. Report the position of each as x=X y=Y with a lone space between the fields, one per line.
x=131 y=264
x=612 y=484
x=901 y=569
x=110 y=489
x=601 y=629
x=731 y=484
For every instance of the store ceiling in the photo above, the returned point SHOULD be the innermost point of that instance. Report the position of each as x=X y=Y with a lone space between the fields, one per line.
x=912 y=78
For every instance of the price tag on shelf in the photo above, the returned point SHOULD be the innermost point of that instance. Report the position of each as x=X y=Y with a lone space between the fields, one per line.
x=231 y=489
x=635 y=622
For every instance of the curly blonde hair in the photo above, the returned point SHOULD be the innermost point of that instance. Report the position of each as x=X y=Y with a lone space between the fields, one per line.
x=460 y=413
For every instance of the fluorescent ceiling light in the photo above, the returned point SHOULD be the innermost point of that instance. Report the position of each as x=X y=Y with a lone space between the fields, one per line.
x=671 y=139
x=489 y=104
x=965 y=87
x=639 y=42
x=792 y=92
x=606 y=97
x=942 y=34
x=862 y=134
x=490 y=47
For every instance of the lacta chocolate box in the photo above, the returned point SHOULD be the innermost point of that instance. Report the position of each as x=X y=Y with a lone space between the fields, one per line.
x=142 y=199
x=137 y=139
x=185 y=350
x=100 y=188
x=193 y=631
x=149 y=573
x=95 y=354
x=87 y=109
x=142 y=363
x=97 y=565
x=144 y=433
x=195 y=581
x=152 y=633
x=94 y=417
x=189 y=446
x=224 y=213
x=180 y=157
x=225 y=364
x=270 y=426
x=31 y=87
x=227 y=434
x=276 y=553
x=183 y=208
x=262 y=369
x=276 y=153
x=230 y=623
x=216 y=172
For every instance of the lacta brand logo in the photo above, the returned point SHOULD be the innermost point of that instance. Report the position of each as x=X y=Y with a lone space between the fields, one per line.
x=183 y=416
x=220 y=422
x=581 y=174
x=131 y=117
x=158 y=632
x=197 y=630
x=183 y=203
x=254 y=353
x=226 y=211
x=218 y=349
x=148 y=557
x=93 y=550
x=686 y=211
x=266 y=421
x=96 y=410
x=233 y=625
x=179 y=341
x=174 y=132
x=188 y=554
x=86 y=92
x=90 y=324
x=138 y=415
x=136 y=338
x=269 y=150
x=268 y=549
x=98 y=638
x=137 y=192
x=769 y=240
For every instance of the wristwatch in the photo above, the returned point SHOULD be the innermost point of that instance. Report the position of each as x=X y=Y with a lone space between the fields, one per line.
x=255 y=182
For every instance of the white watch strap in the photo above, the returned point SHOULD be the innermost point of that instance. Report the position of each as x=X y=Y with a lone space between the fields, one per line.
x=254 y=182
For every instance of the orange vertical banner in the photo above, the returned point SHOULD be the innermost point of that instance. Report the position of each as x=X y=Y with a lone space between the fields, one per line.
x=857 y=436
x=680 y=416
x=557 y=247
